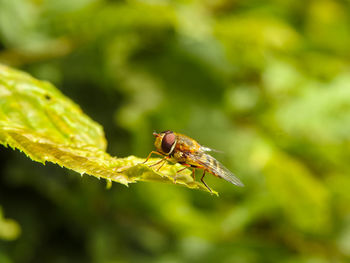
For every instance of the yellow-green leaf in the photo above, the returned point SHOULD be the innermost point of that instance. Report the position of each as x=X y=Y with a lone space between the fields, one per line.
x=39 y=120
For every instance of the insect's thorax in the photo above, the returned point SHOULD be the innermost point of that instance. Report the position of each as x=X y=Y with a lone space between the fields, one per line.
x=184 y=146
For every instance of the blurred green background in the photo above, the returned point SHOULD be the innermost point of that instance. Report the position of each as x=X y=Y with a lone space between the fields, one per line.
x=267 y=82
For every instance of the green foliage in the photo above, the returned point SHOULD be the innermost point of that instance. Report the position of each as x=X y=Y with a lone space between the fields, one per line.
x=9 y=229
x=266 y=82
x=38 y=120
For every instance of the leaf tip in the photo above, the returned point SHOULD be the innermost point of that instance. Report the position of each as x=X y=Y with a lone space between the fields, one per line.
x=109 y=183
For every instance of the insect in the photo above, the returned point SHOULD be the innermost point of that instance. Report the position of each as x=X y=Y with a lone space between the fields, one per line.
x=179 y=148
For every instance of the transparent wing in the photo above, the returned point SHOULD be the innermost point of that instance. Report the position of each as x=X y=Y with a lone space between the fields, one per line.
x=207 y=149
x=215 y=167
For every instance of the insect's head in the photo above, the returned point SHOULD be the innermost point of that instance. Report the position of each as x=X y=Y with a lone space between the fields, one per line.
x=165 y=142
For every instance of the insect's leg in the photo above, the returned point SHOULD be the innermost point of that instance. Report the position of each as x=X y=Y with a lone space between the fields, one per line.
x=184 y=164
x=161 y=165
x=153 y=152
x=162 y=160
x=194 y=177
x=205 y=183
x=149 y=156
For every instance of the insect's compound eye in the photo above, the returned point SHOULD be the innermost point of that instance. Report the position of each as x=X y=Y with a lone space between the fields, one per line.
x=167 y=142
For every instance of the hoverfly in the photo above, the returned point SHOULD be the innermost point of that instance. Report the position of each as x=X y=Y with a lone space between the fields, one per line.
x=179 y=148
